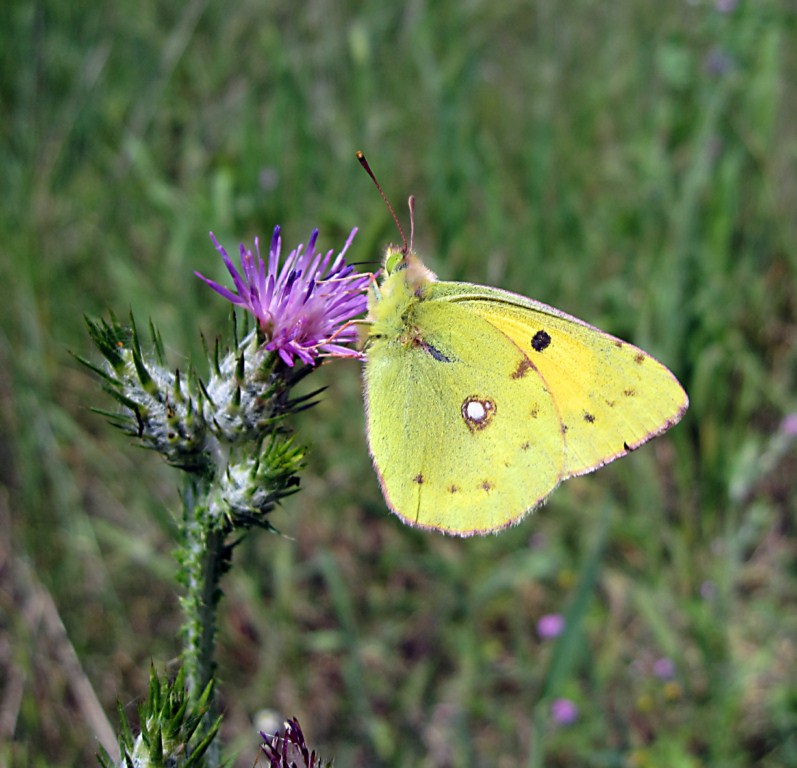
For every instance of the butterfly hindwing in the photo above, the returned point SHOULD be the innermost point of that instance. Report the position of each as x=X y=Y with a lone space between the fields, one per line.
x=470 y=441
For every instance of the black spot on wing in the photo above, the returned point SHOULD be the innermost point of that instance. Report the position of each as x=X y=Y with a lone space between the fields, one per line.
x=435 y=352
x=540 y=341
x=589 y=418
x=418 y=479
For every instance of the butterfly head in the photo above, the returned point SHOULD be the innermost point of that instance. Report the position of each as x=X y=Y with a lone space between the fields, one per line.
x=404 y=266
x=405 y=282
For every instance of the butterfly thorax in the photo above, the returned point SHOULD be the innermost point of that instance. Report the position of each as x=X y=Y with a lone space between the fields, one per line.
x=407 y=282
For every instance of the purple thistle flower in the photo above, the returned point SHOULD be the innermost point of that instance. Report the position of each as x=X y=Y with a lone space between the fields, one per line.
x=303 y=305
x=564 y=712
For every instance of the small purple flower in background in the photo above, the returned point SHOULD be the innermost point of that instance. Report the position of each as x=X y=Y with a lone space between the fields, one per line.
x=538 y=540
x=269 y=179
x=726 y=6
x=304 y=305
x=717 y=62
x=550 y=625
x=788 y=426
x=564 y=712
x=708 y=590
x=664 y=668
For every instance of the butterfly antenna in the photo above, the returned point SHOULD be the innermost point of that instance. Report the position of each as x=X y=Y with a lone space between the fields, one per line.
x=364 y=164
x=411 y=204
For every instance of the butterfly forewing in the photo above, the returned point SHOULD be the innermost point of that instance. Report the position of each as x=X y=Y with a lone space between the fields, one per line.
x=611 y=396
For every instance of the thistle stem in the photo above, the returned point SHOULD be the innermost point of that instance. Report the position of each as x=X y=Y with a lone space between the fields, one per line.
x=204 y=557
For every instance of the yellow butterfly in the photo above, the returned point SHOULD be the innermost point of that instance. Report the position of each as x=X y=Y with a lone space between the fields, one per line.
x=480 y=401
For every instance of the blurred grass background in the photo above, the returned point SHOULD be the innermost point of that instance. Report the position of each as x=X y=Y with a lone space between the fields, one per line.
x=632 y=163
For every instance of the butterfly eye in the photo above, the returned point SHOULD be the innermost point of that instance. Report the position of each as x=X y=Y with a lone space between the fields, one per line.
x=478 y=412
x=393 y=261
